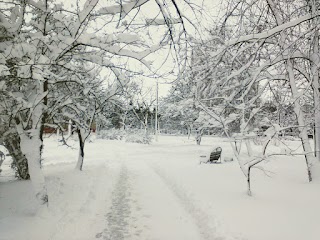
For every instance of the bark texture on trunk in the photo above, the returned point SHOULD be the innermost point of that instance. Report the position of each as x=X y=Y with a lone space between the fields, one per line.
x=12 y=144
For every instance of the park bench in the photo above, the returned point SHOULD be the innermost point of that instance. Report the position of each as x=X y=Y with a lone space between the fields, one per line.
x=215 y=156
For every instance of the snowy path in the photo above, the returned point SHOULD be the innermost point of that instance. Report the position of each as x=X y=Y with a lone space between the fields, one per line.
x=147 y=204
x=159 y=192
x=199 y=216
x=117 y=218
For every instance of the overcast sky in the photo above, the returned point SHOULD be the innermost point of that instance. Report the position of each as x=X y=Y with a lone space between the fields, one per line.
x=203 y=20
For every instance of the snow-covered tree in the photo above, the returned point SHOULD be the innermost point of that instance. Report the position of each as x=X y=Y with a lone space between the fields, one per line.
x=141 y=102
x=257 y=48
x=44 y=44
x=289 y=34
x=178 y=110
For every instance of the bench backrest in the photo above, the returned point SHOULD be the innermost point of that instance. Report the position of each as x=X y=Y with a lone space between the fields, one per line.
x=215 y=154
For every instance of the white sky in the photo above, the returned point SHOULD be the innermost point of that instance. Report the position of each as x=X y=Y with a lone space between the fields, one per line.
x=205 y=20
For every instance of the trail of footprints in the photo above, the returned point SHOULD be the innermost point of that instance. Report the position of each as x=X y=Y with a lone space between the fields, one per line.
x=121 y=217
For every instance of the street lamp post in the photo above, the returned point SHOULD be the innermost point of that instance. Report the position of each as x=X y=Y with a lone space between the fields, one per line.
x=156 y=117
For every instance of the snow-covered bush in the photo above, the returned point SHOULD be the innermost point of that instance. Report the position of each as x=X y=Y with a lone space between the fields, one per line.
x=138 y=136
x=130 y=135
x=112 y=134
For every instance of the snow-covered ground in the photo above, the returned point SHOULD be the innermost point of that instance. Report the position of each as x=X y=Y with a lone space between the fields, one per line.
x=160 y=192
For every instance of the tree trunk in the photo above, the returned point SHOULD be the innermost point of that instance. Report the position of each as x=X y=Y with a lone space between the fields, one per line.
x=189 y=131
x=12 y=144
x=146 y=124
x=310 y=159
x=31 y=147
x=249 y=148
x=44 y=114
x=316 y=95
x=69 y=128
x=123 y=121
x=31 y=143
x=243 y=168
x=238 y=146
x=199 y=137
x=249 y=181
x=314 y=57
x=312 y=165
x=81 y=149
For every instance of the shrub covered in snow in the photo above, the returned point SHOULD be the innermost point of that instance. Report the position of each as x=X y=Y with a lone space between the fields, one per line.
x=130 y=135
x=112 y=134
x=138 y=136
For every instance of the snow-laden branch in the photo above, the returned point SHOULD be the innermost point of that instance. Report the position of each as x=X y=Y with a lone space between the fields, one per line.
x=159 y=22
x=83 y=15
x=105 y=45
x=242 y=69
x=120 y=8
x=273 y=31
